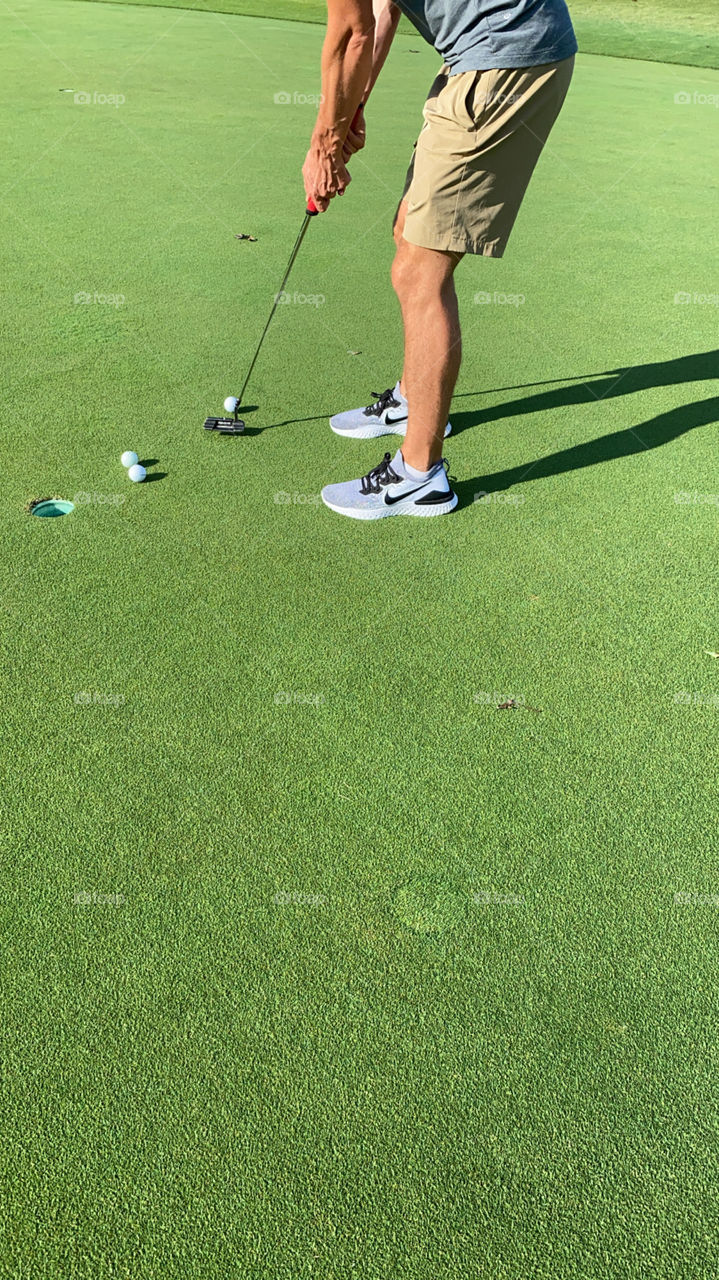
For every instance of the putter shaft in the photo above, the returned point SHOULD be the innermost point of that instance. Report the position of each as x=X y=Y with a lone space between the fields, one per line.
x=311 y=213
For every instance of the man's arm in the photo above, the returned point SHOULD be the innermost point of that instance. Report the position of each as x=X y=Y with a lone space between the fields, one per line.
x=347 y=56
x=386 y=20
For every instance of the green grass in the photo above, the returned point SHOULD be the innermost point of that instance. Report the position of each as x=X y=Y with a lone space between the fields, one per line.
x=482 y=1042
x=657 y=30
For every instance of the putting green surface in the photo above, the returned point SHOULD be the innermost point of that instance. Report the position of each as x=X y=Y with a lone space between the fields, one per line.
x=317 y=964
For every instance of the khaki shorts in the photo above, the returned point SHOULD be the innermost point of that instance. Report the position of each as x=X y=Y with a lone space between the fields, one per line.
x=483 y=134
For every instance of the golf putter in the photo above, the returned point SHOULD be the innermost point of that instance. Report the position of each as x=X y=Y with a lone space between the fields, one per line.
x=234 y=426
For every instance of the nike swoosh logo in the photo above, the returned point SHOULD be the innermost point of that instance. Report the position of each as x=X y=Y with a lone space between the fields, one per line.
x=402 y=418
x=390 y=501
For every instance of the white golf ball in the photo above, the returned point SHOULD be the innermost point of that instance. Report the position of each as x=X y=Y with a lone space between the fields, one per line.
x=231 y=404
x=128 y=458
x=137 y=472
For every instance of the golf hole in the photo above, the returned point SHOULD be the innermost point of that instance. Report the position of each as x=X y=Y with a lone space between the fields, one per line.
x=53 y=507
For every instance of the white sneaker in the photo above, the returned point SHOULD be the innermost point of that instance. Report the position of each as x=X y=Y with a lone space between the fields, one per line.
x=387 y=416
x=388 y=490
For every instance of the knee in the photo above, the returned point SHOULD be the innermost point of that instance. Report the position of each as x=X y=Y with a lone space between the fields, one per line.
x=401 y=273
x=416 y=277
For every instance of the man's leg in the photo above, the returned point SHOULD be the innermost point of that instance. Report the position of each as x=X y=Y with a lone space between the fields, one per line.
x=423 y=282
x=414 y=482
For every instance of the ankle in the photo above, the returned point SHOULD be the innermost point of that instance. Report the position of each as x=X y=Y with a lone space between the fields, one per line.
x=419 y=460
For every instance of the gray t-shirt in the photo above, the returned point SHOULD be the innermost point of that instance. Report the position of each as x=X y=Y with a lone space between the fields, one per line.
x=474 y=35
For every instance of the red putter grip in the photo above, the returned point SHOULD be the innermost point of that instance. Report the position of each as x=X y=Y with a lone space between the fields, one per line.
x=312 y=208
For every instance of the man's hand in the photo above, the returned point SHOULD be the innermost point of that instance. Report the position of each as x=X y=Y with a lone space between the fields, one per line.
x=356 y=136
x=325 y=173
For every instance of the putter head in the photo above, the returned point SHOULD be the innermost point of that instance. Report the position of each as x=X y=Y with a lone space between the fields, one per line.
x=225 y=426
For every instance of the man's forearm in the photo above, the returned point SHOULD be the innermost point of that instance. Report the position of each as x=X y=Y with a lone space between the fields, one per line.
x=346 y=70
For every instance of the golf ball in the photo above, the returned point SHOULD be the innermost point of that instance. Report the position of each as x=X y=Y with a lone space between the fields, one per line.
x=137 y=472
x=231 y=404
x=128 y=458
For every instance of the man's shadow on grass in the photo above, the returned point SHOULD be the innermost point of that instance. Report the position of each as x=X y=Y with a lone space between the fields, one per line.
x=619 y=444
x=702 y=366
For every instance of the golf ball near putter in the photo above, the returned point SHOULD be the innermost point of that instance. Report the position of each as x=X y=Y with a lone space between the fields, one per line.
x=137 y=472
x=129 y=458
x=231 y=404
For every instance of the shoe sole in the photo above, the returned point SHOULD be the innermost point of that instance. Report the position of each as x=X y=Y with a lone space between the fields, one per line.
x=379 y=429
x=412 y=509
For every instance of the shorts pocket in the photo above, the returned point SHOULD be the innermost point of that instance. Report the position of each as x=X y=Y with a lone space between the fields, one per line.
x=483 y=94
x=469 y=104
x=455 y=101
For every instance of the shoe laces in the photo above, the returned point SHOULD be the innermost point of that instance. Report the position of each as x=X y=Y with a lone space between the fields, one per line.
x=385 y=401
x=379 y=476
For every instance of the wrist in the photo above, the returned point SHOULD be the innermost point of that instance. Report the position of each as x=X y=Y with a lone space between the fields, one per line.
x=327 y=140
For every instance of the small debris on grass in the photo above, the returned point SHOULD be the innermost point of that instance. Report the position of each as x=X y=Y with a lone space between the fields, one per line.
x=67 y=90
x=512 y=705
x=244 y=236
x=354 y=353
x=711 y=654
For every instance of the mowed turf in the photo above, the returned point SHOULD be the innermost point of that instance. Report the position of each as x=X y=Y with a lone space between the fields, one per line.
x=394 y=983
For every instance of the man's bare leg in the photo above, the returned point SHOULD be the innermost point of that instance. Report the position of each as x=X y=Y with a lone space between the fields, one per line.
x=423 y=282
